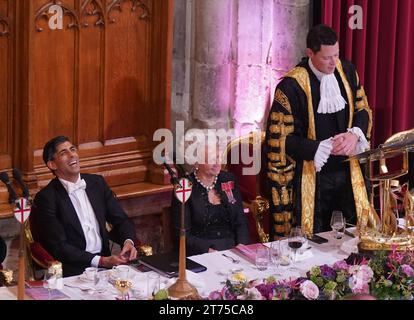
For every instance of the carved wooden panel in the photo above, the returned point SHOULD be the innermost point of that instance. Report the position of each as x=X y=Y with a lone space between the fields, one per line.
x=54 y=59
x=6 y=83
x=127 y=76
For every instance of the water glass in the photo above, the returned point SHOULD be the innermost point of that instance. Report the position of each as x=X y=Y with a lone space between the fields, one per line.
x=275 y=253
x=153 y=284
x=285 y=253
x=262 y=258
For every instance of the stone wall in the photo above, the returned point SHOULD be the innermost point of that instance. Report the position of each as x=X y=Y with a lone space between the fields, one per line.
x=228 y=57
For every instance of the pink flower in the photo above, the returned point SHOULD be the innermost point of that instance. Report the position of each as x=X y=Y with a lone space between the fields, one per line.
x=407 y=270
x=361 y=276
x=363 y=272
x=309 y=290
x=357 y=285
x=341 y=265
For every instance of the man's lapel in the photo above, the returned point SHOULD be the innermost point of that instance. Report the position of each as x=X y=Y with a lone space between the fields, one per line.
x=69 y=209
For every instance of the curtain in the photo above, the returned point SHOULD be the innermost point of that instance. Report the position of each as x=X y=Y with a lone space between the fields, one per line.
x=383 y=52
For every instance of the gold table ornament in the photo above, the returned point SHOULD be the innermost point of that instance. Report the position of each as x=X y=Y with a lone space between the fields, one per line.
x=381 y=231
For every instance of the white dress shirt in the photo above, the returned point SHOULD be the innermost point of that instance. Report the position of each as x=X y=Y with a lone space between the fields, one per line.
x=86 y=215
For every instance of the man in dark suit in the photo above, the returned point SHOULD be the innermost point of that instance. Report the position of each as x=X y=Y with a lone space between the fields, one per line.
x=3 y=251
x=71 y=212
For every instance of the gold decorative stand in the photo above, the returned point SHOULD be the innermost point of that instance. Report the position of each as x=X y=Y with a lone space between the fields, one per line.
x=381 y=232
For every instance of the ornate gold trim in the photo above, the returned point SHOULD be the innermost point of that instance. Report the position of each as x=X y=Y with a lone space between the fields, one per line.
x=283 y=100
x=348 y=92
x=308 y=181
x=284 y=216
x=275 y=197
x=281 y=129
x=280 y=117
x=281 y=178
x=275 y=143
x=273 y=156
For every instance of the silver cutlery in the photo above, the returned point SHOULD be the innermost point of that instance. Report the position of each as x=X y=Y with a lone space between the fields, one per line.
x=234 y=260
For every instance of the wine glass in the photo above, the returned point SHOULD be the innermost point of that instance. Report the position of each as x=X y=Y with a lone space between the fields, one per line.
x=338 y=226
x=49 y=282
x=122 y=281
x=296 y=240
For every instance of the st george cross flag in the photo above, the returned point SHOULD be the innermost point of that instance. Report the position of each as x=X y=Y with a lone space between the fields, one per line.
x=183 y=191
x=22 y=210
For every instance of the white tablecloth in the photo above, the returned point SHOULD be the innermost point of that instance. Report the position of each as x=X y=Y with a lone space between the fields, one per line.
x=218 y=269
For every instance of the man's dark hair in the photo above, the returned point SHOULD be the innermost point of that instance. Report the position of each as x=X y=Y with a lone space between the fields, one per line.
x=49 y=149
x=320 y=35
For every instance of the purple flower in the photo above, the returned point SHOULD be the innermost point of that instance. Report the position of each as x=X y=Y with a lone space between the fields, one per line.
x=227 y=295
x=215 y=295
x=327 y=272
x=266 y=290
x=407 y=270
x=341 y=265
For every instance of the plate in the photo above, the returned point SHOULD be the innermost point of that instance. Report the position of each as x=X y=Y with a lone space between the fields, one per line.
x=229 y=272
x=84 y=278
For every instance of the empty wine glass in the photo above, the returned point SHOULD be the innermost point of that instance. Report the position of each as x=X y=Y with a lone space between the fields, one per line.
x=262 y=258
x=296 y=240
x=50 y=282
x=338 y=226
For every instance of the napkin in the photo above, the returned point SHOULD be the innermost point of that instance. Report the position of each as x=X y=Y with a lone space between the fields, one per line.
x=350 y=246
x=304 y=254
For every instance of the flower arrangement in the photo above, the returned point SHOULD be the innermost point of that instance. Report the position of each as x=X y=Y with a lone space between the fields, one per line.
x=385 y=275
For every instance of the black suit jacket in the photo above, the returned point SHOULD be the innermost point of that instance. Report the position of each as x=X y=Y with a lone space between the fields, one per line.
x=59 y=230
x=3 y=250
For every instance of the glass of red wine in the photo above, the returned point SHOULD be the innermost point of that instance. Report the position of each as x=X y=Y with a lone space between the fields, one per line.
x=296 y=240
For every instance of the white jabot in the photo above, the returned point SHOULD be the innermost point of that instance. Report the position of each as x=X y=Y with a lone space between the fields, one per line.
x=322 y=154
x=331 y=98
x=86 y=215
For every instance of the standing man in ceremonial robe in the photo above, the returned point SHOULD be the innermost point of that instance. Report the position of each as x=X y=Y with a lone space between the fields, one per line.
x=319 y=117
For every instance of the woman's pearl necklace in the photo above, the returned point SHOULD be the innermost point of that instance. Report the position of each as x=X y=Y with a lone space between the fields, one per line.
x=208 y=188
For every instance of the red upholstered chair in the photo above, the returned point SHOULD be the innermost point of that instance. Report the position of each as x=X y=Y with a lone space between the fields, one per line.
x=38 y=258
x=252 y=187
